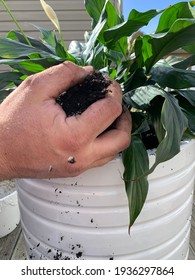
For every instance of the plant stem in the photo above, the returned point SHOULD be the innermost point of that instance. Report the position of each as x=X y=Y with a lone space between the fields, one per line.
x=62 y=39
x=15 y=21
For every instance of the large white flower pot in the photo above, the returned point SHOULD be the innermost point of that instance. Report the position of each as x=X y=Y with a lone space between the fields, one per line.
x=86 y=217
x=9 y=209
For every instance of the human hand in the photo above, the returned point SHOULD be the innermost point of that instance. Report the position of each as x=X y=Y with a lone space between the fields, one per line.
x=37 y=140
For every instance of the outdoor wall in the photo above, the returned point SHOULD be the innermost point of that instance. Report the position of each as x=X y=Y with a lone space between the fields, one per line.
x=72 y=16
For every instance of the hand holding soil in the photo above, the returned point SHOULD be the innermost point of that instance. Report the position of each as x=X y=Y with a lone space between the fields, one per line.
x=38 y=140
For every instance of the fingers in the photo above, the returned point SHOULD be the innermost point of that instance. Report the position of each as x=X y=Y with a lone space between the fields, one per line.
x=116 y=140
x=53 y=81
x=101 y=114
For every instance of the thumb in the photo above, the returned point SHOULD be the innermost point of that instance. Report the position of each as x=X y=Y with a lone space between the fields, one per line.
x=54 y=80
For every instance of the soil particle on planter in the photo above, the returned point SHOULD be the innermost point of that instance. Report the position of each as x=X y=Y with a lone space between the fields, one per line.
x=79 y=97
x=79 y=254
x=57 y=256
x=31 y=256
x=78 y=204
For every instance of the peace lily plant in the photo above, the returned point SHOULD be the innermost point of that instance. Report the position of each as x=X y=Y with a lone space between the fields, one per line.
x=156 y=85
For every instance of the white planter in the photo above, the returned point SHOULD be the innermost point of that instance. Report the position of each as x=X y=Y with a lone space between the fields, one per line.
x=86 y=217
x=9 y=209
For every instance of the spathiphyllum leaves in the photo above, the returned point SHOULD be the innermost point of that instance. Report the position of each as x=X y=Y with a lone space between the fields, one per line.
x=172 y=13
x=175 y=123
x=152 y=48
x=134 y=22
x=136 y=163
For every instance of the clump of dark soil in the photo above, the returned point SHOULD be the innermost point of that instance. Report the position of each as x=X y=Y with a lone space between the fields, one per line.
x=79 y=97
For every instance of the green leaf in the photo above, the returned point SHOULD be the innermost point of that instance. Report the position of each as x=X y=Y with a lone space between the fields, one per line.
x=63 y=54
x=142 y=95
x=185 y=63
x=8 y=78
x=151 y=48
x=4 y=93
x=189 y=95
x=188 y=110
x=174 y=78
x=13 y=35
x=29 y=66
x=97 y=57
x=48 y=36
x=135 y=21
x=136 y=163
x=175 y=123
x=172 y=13
x=13 y=49
x=94 y=9
x=154 y=117
x=90 y=45
x=76 y=49
x=106 y=10
x=135 y=80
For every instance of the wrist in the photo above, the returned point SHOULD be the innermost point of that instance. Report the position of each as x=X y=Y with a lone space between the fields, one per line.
x=5 y=170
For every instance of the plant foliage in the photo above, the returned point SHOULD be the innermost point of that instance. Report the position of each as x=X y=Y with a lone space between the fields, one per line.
x=157 y=85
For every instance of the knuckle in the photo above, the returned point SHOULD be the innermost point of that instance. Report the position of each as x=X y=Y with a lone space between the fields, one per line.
x=126 y=141
x=31 y=81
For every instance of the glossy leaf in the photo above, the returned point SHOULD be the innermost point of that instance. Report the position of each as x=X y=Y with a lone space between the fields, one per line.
x=174 y=78
x=13 y=49
x=4 y=93
x=135 y=21
x=13 y=35
x=92 y=40
x=94 y=9
x=188 y=110
x=185 y=63
x=142 y=95
x=136 y=163
x=7 y=78
x=151 y=48
x=172 y=13
x=189 y=95
x=47 y=36
x=174 y=123
x=109 y=12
